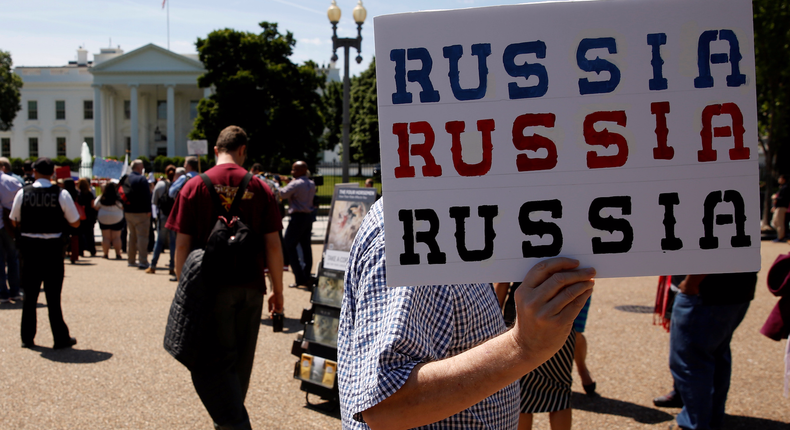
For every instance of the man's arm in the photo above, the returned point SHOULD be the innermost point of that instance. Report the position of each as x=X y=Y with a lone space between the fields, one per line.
x=183 y=245
x=274 y=259
x=550 y=298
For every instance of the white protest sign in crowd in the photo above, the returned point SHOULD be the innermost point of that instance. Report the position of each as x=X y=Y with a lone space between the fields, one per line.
x=620 y=133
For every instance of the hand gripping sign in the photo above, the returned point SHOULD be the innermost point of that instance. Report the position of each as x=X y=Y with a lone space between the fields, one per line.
x=620 y=133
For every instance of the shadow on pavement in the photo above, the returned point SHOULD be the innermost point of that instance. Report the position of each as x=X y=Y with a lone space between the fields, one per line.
x=18 y=305
x=74 y=356
x=290 y=325
x=602 y=405
x=750 y=423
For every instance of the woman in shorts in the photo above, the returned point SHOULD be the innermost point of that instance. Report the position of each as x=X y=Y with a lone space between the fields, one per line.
x=111 y=221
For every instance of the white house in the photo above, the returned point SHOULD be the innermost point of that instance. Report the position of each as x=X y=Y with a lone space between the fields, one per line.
x=143 y=102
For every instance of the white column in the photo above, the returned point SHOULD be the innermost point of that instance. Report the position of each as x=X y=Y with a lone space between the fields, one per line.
x=97 y=120
x=135 y=132
x=171 y=120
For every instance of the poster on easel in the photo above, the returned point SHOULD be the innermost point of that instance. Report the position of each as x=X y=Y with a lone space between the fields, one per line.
x=349 y=207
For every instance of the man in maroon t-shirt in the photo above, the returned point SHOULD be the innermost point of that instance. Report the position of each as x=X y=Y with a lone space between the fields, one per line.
x=223 y=374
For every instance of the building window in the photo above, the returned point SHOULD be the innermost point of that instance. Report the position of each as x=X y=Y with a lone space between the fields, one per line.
x=5 y=147
x=60 y=109
x=32 y=109
x=161 y=109
x=89 y=141
x=193 y=110
x=32 y=147
x=128 y=145
x=61 y=145
x=87 y=109
x=127 y=109
x=162 y=150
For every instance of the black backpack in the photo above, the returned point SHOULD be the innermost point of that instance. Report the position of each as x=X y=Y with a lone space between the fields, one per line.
x=230 y=257
x=125 y=191
x=165 y=202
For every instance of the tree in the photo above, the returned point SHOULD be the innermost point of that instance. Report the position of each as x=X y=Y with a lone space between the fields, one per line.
x=332 y=112
x=10 y=84
x=363 y=115
x=259 y=89
x=772 y=61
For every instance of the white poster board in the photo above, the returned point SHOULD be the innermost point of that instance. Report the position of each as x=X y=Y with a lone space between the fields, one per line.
x=622 y=133
x=197 y=147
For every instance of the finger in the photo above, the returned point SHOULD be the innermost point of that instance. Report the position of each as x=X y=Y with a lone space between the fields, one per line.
x=558 y=282
x=579 y=293
x=543 y=270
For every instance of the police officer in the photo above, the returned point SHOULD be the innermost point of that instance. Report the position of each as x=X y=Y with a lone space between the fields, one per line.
x=41 y=212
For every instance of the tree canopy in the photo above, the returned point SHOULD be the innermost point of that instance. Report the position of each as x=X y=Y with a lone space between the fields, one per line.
x=10 y=84
x=363 y=113
x=259 y=89
x=772 y=61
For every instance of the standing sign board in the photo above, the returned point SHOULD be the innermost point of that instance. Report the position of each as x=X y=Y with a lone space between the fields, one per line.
x=104 y=168
x=621 y=133
x=349 y=207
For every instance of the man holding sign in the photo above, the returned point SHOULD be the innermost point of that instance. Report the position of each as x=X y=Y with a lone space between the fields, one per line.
x=412 y=356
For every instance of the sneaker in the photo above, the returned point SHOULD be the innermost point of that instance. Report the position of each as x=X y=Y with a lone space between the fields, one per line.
x=131 y=265
x=777 y=240
x=173 y=279
x=17 y=298
x=143 y=266
x=5 y=300
x=151 y=270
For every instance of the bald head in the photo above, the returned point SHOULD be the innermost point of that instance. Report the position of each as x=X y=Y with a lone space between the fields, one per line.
x=299 y=169
x=137 y=166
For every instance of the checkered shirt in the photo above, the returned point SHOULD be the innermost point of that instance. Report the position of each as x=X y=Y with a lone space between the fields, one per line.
x=384 y=332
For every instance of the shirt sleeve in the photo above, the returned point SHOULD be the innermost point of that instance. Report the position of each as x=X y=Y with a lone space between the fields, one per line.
x=16 y=208
x=384 y=331
x=177 y=186
x=69 y=209
x=287 y=190
x=12 y=188
x=182 y=217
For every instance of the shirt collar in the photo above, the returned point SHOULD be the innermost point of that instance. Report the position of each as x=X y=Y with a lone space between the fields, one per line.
x=42 y=183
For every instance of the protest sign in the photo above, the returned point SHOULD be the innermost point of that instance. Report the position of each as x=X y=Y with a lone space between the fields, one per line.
x=620 y=133
x=104 y=168
x=197 y=147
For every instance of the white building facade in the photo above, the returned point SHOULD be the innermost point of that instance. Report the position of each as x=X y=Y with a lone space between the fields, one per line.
x=143 y=103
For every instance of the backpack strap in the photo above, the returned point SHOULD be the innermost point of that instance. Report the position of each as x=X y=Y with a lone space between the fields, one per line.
x=236 y=199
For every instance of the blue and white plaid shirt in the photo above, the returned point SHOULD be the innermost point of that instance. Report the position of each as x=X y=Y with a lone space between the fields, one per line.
x=384 y=332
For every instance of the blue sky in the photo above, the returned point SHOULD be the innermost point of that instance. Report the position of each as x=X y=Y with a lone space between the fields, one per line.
x=48 y=32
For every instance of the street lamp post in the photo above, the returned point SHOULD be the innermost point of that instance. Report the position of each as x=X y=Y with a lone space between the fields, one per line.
x=346 y=43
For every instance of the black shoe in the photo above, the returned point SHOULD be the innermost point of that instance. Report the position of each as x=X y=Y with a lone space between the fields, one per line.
x=670 y=400
x=590 y=389
x=173 y=279
x=29 y=345
x=68 y=344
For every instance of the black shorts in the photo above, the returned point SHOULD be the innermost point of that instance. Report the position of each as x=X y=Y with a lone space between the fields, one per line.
x=114 y=227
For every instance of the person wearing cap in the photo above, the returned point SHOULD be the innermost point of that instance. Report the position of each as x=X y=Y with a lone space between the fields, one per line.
x=36 y=211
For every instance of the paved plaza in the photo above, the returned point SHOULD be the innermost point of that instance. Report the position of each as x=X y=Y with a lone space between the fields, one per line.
x=119 y=377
